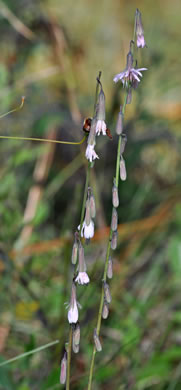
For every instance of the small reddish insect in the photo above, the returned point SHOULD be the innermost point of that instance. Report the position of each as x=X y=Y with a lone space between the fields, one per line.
x=87 y=127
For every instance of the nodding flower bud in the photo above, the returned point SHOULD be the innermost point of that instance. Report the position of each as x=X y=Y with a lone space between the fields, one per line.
x=123 y=174
x=101 y=106
x=114 y=240
x=76 y=333
x=92 y=204
x=115 y=196
x=97 y=341
x=109 y=269
x=73 y=313
x=82 y=265
x=119 y=124
x=76 y=338
x=123 y=143
x=139 y=30
x=107 y=294
x=129 y=96
x=75 y=347
x=82 y=277
x=75 y=250
x=129 y=64
x=63 y=369
x=87 y=213
x=114 y=220
x=105 y=310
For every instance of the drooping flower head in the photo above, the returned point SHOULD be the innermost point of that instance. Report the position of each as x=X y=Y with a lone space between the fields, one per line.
x=139 y=30
x=130 y=75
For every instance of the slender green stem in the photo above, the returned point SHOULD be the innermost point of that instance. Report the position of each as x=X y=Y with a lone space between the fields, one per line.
x=85 y=195
x=15 y=109
x=29 y=352
x=81 y=223
x=44 y=140
x=99 y=318
x=69 y=352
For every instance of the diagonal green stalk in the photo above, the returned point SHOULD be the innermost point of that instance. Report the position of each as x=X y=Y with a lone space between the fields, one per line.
x=69 y=351
x=99 y=318
x=29 y=353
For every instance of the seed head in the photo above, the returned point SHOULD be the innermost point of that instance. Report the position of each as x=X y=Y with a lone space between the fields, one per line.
x=123 y=174
x=109 y=268
x=115 y=196
x=119 y=124
x=114 y=240
x=97 y=341
x=105 y=310
x=107 y=294
x=63 y=369
x=114 y=220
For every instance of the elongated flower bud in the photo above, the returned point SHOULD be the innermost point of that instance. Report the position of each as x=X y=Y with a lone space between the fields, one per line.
x=115 y=197
x=123 y=143
x=119 y=124
x=87 y=213
x=123 y=174
x=76 y=333
x=82 y=265
x=92 y=206
x=129 y=60
x=114 y=220
x=63 y=369
x=76 y=338
x=129 y=96
x=105 y=310
x=97 y=341
x=114 y=240
x=75 y=249
x=139 y=30
x=101 y=106
x=107 y=294
x=109 y=269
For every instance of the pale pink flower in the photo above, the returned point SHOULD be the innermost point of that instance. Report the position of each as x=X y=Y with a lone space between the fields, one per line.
x=101 y=127
x=82 y=278
x=90 y=153
x=130 y=75
x=140 y=41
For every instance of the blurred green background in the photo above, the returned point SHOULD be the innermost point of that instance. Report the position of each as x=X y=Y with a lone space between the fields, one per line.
x=51 y=52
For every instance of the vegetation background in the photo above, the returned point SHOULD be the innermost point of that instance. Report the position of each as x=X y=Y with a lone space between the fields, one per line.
x=51 y=52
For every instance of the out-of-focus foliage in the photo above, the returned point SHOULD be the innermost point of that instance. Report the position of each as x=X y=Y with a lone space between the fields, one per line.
x=51 y=52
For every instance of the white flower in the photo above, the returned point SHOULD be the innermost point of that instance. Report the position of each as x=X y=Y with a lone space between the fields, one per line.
x=90 y=153
x=101 y=126
x=82 y=278
x=129 y=75
x=87 y=231
x=73 y=314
